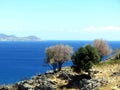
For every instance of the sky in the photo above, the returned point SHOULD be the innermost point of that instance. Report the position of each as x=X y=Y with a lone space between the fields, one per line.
x=61 y=19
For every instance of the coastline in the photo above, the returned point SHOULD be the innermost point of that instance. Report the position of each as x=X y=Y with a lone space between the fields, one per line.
x=66 y=79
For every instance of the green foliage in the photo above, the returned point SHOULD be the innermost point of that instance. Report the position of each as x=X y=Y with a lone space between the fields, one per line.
x=84 y=58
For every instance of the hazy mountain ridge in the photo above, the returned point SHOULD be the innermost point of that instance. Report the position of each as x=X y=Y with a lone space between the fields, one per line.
x=4 y=37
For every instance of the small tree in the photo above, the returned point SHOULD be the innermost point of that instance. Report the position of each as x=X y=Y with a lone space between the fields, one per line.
x=84 y=58
x=58 y=54
x=102 y=47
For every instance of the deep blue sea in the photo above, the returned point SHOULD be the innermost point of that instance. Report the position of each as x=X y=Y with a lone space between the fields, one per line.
x=21 y=60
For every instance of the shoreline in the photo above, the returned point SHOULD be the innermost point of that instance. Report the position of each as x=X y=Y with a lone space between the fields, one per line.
x=67 y=79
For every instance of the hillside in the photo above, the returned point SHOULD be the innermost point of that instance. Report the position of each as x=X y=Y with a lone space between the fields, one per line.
x=110 y=70
x=4 y=37
x=105 y=76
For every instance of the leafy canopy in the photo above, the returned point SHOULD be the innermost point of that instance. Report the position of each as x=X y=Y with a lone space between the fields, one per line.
x=85 y=57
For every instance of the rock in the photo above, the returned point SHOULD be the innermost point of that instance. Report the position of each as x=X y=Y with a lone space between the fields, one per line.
x=39 y=74
x=4 y=88
x=95 y=71
x=24 y=81
x=115 y=74
x=30 y=89
x=74 y=81
x=118 y=85
x=45 y=85
x=92 y=84
x=33 y=77
x=26 y=85
x=21 y=87
x=73 y=84
x=49 y=72
x=30 y=82
x=64 y=76
x=36 y=83
x=84 y=76
x=49 y=75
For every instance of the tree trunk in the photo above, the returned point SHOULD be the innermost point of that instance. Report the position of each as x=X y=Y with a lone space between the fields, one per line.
x=54 y=67
x=101 y=56
x=59 y=66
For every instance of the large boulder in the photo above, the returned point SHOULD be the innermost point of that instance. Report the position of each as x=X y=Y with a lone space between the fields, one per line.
x=21 y=86
x=92 y=84
x=45 y=85
x=36 y=83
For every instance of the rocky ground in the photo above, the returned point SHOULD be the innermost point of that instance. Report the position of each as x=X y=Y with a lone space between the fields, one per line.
x=111 y=72
x=104 y=77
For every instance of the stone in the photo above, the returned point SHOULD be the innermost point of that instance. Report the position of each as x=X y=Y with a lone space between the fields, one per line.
x=33 y=77
x=39 y=74
x=26 y=85
x=95 y=71
x=115 y=74
x=64 y=76
x=21 y=87
x=118 y=85
x=4 y=88
x=92 y=84
x=45 y=85
x=30 y=82
x=43 y=77
x=49 y=72
x=84 y=76
x=30 y=89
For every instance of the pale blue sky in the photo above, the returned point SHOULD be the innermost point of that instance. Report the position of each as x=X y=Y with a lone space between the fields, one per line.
x=61 y=19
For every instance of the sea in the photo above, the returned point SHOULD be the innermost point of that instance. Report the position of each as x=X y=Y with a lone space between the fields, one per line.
x=22 y=60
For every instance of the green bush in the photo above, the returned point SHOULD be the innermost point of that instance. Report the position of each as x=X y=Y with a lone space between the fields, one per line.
x=84 y=58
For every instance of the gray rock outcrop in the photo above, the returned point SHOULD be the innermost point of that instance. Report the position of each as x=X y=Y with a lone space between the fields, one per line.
x=4 y=88
x=39 y=82
x=92 y=84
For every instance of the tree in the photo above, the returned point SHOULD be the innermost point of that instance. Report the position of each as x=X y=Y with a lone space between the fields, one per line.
x=84 y=58
x=102 y=47
x=56 y=55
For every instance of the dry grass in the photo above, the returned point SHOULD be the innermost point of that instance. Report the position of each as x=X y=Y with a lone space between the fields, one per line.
x=107 y=69
x=61 y=82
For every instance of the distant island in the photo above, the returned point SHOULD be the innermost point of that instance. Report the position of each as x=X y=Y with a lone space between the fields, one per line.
x=4 y=37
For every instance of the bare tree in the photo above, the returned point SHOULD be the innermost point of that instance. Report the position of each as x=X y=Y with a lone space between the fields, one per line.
x=58 y=54
x=102 y=47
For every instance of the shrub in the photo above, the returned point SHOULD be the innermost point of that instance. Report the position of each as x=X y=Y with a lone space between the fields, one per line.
x=84 y=58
